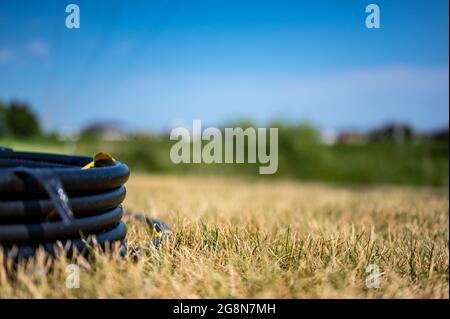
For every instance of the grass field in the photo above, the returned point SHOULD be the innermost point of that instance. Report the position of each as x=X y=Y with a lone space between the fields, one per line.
x=248 y=238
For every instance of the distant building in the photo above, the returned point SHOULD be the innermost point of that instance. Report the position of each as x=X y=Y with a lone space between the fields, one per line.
x=348 y=137
x=106 y=131
x=397 y=132
x=328 y=136
x=440 y=135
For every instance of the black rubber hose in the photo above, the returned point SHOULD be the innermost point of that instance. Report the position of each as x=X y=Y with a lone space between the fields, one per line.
x=116 y=234
x=41 y=232
x=49 y=198
x=66 y=168
x=32 y=210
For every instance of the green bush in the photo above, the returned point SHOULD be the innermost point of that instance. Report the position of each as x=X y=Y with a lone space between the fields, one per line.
x=17 y=119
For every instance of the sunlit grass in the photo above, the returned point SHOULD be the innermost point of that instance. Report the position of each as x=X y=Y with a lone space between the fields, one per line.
x=245 y=238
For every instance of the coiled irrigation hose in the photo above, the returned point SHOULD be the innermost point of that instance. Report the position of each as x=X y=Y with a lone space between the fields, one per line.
x=50 y=199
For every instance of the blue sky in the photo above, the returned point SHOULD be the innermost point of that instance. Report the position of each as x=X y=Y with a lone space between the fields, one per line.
x=153 y=64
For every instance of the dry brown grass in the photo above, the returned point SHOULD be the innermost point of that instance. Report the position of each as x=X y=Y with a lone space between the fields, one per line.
x=238 y=238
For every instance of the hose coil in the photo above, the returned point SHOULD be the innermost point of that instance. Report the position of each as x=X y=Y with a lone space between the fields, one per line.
x=47 y=199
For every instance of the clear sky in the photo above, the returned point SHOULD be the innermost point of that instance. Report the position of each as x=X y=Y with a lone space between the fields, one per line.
x=153 y=64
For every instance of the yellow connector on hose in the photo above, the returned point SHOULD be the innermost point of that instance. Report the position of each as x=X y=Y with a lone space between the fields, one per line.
x=100 y=159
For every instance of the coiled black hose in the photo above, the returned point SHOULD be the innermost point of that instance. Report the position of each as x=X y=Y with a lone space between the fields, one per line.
x=50 y=198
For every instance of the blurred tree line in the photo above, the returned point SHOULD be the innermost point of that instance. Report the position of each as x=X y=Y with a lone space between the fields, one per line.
x=391 y=154
x=18 y=120
x=379 y=158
